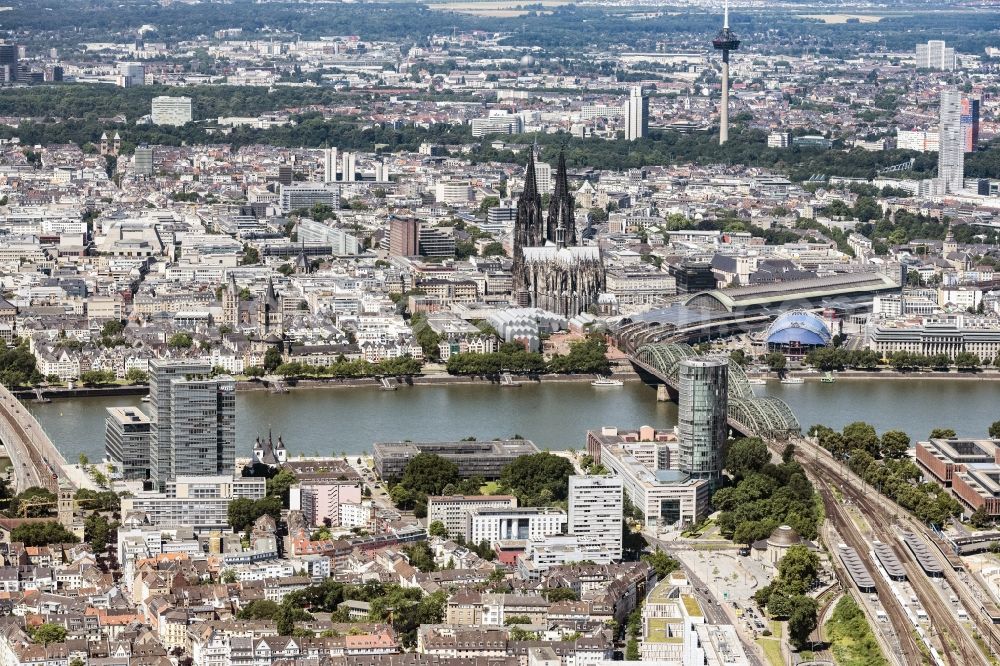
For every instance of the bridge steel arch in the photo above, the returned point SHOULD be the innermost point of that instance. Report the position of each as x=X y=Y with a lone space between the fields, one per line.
x=766 y=417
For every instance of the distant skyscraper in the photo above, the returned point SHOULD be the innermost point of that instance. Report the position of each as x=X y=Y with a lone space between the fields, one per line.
x=725 y=41
x=595 y=511
x=935 y=55
x=404 y=237
x=701 y=420
x=637 y=114
x=329 y=165
x=131 y=74
x=8 y=62
x=348 y=167
x=970 y=123
x=193 y=430
x=951 y=143
x=143 y=161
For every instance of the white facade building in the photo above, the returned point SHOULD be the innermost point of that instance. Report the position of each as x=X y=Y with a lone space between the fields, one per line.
x=171 y=110
x=595 y=511
x=497 y=524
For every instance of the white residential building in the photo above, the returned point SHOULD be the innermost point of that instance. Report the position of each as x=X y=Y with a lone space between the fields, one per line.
x=170 y=110
x=496 y=524
x=595 y=511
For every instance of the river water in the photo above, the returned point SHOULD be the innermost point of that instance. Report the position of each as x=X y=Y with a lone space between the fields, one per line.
x=327 y=421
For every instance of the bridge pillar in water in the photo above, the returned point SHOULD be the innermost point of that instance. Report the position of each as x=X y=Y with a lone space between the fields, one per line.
x=662 y=395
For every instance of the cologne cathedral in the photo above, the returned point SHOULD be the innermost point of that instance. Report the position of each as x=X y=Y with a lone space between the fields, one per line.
x=551 y=271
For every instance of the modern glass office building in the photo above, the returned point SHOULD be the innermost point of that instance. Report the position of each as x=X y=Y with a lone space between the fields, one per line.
x=702 y=424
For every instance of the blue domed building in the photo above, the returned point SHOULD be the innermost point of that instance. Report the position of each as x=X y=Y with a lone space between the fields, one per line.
x=796 y=333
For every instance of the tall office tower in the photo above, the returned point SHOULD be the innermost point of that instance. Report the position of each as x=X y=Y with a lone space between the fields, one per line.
x=701 y=420
x=131 y=74
x=404 y=237
x=166 y=110
x=126 y=441
x=348 y=167
x=970 y=124
x=951 y=143
x=725 y=41
x=142 y=161
x=286 y=174
x=8 y=62
x=935 y=55
x=329 y=165
x=193 y=415
x=595 y=511
x=637 y=114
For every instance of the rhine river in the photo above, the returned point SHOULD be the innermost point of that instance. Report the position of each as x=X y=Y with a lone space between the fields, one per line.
x=329 y=421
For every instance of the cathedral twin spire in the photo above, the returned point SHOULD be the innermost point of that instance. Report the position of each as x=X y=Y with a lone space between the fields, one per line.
x=560 y=225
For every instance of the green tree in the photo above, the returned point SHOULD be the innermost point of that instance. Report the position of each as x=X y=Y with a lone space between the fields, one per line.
x=798 y=569
x=97 y=377
x=802 y=620
x=943 y=433
x=42 y=534
x=229 y=577
x=280 y=485
x=98 y=531
x=861 y=435
x=776 y=361
x=662 y=564
x=250 y=255
x=180 y=341
x=557 y=594
x=243 y=512
x=259 y=609
x=428 y=474
x=747 y=455
x=136 y=376
x=995 y=427
x=538 y=479
x=272 y=359
x=632 y=649
x=48 y=633
x=895 y=444
x=981 y=518
x=437 y=529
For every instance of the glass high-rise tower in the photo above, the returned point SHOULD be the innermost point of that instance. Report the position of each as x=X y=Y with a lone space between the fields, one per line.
x=193 y=418
x=951 y=143
x=701 y=420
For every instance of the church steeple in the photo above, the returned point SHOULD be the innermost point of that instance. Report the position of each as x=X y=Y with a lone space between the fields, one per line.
x=561 y=206
x=528 y=222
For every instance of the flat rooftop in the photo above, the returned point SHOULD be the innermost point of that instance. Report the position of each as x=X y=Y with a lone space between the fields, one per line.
x=507 y=447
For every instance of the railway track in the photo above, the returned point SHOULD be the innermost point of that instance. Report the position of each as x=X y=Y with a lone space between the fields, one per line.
x=958 y=647
x=848 y=531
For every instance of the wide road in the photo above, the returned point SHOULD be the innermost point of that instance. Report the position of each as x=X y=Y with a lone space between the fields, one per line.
x=28 y=446
x=715 y=612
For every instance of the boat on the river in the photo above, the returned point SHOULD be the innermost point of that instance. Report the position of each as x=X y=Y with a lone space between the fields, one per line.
x=792 y=380
x=757 y=381
x=387 y=385
x=828 y=378
x=607 y=382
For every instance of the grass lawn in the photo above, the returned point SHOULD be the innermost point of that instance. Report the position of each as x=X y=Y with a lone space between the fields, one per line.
x=852 y=640
x=491 y=488
x=772 y=651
